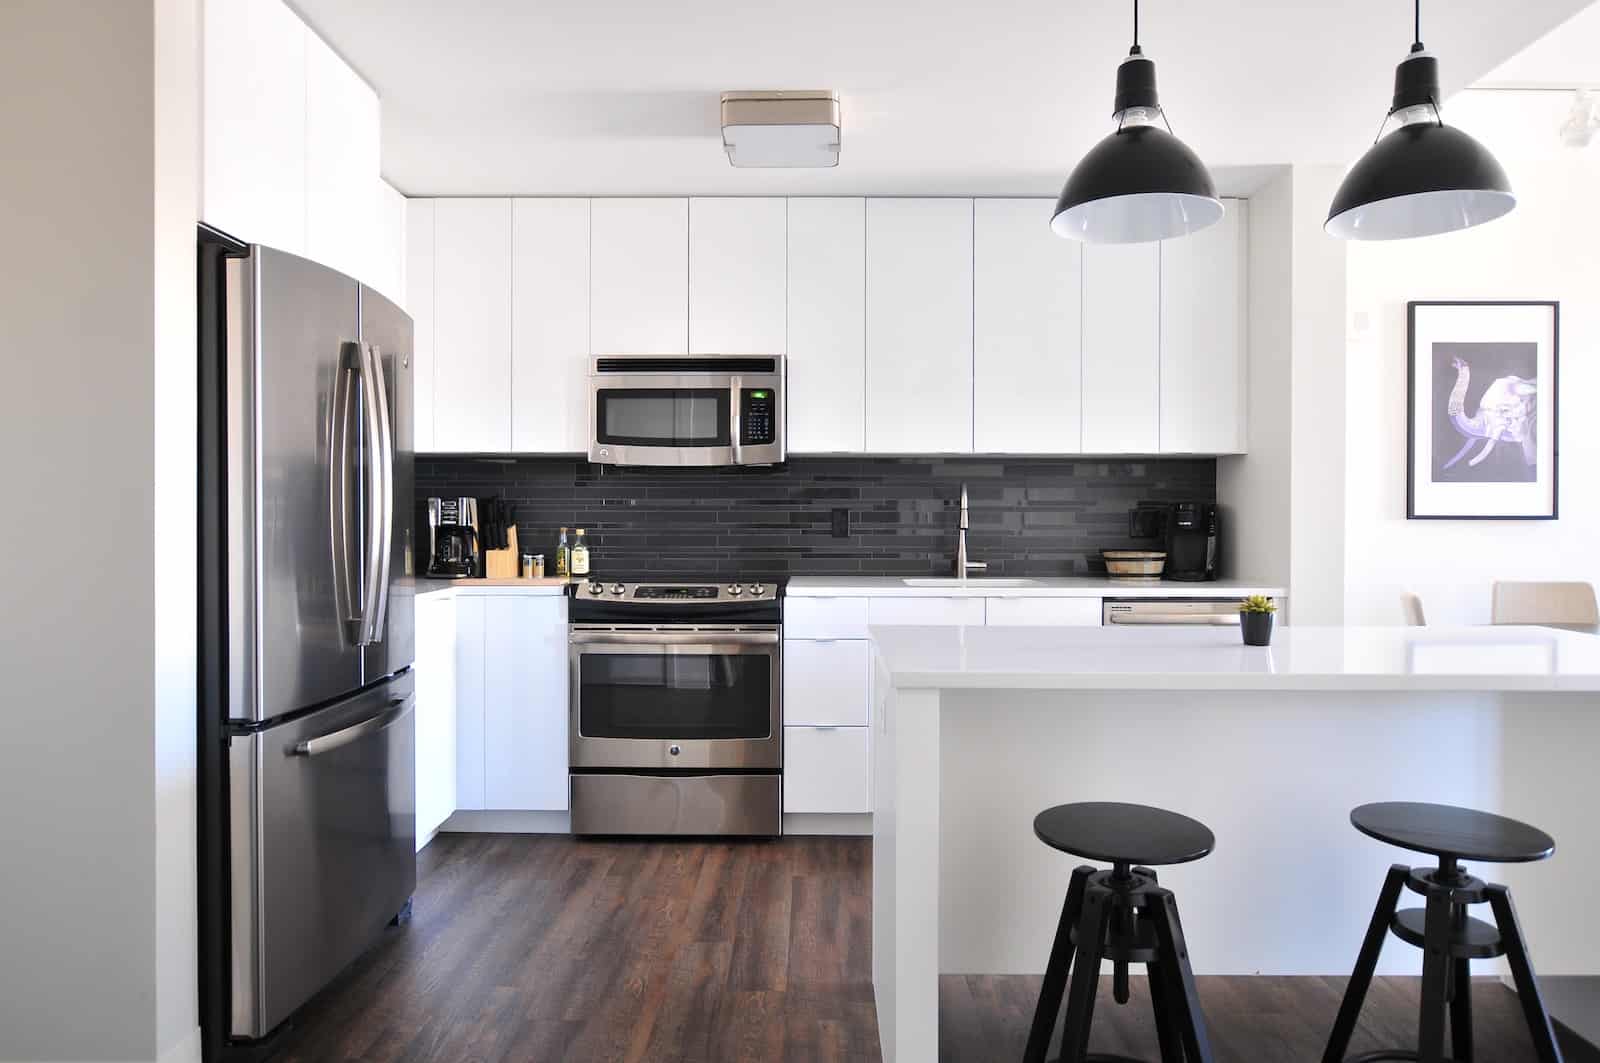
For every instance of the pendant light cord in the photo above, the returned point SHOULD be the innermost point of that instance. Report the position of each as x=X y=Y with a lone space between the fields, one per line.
x=1416 y=35
x=1136 y=23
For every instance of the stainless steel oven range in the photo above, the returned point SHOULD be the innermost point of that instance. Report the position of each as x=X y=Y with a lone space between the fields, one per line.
x=677 y=708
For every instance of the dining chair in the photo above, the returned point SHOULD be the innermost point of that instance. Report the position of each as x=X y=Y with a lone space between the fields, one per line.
x=1411 y=608
x=1544 y=603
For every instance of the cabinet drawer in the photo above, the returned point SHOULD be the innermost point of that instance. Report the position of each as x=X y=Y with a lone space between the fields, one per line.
x=825 y=683
x=825 y=618
x=825 y=769
x=940 y=611
x=1047 y=612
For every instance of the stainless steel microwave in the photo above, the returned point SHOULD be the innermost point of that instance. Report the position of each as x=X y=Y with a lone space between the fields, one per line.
x=686 y=410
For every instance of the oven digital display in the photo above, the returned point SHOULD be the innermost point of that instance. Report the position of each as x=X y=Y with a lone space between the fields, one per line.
x=676 y=593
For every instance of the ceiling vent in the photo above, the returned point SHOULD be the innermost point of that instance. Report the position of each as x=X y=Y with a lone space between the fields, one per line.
x=781 y=128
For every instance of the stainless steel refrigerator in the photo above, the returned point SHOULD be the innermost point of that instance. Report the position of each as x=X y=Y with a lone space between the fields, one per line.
x=307 y=735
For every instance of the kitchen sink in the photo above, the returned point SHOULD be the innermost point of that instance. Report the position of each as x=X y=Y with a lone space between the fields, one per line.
x=970 y=581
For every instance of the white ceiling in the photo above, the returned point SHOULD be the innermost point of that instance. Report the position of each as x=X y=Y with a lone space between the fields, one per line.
x=1566 y=57
x=621 y=97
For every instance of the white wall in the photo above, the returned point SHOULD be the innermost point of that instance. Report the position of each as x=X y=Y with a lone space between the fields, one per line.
x=1253 y=488
x=1283 y=500
x=97 y=312
x=173 y=586
x=1547 y=248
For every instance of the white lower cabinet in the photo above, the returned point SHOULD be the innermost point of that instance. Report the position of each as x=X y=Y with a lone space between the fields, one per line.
x=525 y=707
x=825 y=682
x=1042 y=612
x=470 y=663
x=955 y=612
x=511 y=703
x=435 y=713
x=826 y=769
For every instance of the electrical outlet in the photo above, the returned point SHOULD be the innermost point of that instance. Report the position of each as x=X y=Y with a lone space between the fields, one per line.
x=841 y=524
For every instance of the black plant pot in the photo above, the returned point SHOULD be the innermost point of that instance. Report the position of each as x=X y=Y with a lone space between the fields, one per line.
x=1257 y=628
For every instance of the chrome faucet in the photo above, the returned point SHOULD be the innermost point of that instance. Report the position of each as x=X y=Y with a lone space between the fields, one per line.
x=964 y=566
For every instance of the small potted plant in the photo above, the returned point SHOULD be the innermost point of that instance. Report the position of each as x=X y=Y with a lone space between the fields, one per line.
x=1255 y=620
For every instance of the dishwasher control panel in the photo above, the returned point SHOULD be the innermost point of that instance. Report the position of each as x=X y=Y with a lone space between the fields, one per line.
x=1170 y=612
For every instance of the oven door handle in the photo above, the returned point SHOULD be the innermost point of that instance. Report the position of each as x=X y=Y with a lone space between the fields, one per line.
x=674 y=638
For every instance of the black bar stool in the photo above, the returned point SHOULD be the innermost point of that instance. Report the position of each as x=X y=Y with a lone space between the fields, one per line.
x=1449 y=938
x=1122 y=915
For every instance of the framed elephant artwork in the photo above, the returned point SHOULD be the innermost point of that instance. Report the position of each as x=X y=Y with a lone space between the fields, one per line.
x=1481 y=422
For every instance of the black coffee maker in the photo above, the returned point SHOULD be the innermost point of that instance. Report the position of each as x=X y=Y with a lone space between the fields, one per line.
x=1190 y=532
x=454 y=545
x=1192 y=542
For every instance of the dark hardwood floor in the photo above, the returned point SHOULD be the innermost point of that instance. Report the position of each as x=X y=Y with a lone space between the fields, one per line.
x=539 y=949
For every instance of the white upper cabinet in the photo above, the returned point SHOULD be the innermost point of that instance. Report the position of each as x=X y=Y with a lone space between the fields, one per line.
x=1203 y=363
x=389 y=244
x=919 y=326
x=826 y=326
x=550 y=325
x=419 y=304
x=736 y=276
x=254 y=125
x=341 y=153
x=472 y=325
x=1027 y=331
x=1121 y=348
x=639 y=276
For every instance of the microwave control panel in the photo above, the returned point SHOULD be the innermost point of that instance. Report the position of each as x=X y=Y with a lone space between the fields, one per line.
x=758 y=417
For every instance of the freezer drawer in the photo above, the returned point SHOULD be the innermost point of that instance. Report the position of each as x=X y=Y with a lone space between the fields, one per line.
x=322 y=821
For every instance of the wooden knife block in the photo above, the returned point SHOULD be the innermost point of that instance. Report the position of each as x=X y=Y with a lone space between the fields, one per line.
x=503 y=564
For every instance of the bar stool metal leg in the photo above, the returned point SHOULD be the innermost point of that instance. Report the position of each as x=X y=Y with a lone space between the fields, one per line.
x=1533 y=1009
x=1355 y=993
x=1435 y=975
x=1461 y=996
x=1092 y=927
x=1180 y=978
x=1056 y=971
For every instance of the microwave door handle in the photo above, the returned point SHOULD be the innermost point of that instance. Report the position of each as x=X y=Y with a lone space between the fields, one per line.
x=383 y=463
x=343 y=534
x=735 y=429
x=372 y=486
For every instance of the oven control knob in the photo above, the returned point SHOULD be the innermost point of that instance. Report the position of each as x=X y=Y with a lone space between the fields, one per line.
x=735 y=590
x=616 y=588
x=595 y=588
x=674 y=750
x=757 y=589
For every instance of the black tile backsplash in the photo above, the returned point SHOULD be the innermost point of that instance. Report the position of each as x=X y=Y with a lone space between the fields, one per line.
x=1029 y=516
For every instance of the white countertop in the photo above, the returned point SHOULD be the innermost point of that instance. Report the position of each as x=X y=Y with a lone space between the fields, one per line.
x=1300 y=658
x=486 y=588
x=1043 y=587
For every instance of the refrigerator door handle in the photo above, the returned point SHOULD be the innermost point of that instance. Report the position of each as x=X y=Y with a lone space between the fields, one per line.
x=384 y=464
x=347 y=588
x=392 y=714
x=373 y=494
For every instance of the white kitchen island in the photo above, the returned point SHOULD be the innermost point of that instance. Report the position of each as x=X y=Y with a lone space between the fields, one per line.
x=976 y=730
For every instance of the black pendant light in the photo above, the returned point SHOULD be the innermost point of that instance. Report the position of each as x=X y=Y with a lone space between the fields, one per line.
x=1140 y=183
x=1424 y=177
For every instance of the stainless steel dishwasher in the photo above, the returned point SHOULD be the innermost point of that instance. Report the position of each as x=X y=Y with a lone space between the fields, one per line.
x=1170 y=612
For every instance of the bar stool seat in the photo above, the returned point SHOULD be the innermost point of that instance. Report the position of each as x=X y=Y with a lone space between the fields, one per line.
x=1449 y=831
x=1115 y=833
x=1448 y=937
x=1124 y=916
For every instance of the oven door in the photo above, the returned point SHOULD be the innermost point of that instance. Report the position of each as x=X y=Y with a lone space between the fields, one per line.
x=700 y=698
x=686 y=419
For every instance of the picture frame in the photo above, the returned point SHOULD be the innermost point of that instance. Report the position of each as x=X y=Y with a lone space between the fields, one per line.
x=1482 y=401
